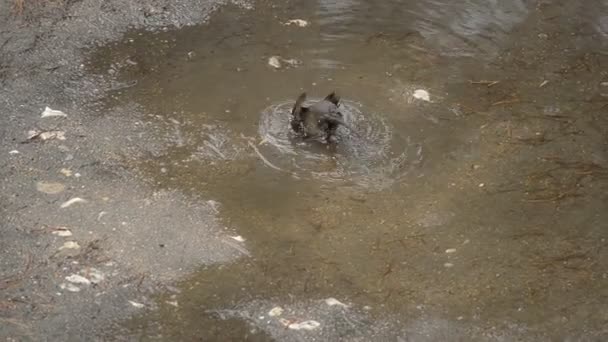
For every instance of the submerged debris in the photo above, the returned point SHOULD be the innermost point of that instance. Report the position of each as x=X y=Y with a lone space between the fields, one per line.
x=61 y=231
x=70 y=245
x=66 y=172
x=136 y=304
x=276 y=311
x=69 y=287
x=238 y=238
x=50 y=188
x=48 y=112
x=306 y=325
x=274 y=62
x=95 y=275
x=69 y=249
x=72 y=201
x=78 y=279
x=278 y=61
x=484 y=82
x=100 y=215
x=44 y=135
x=297 y=22
x=333 y=302
x=172 y=303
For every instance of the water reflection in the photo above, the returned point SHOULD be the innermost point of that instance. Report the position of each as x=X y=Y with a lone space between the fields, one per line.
x=458 y=28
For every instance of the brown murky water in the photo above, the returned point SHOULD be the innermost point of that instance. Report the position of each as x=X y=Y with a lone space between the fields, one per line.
x=481 y=212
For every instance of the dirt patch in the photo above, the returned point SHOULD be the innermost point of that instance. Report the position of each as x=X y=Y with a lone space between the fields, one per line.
x=85 y=239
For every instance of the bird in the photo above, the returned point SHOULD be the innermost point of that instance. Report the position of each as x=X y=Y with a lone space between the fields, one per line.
x=318 y=121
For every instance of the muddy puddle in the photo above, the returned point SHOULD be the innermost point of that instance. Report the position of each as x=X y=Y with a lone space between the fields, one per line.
x=477 y=213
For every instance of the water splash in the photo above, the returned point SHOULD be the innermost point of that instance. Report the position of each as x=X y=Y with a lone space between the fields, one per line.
x=373 y=156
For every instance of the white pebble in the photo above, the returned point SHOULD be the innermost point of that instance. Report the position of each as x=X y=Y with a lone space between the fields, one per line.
x=66 y=172
x=96 y=275
x=173 y=303
x=297 y=22
x=422 y=94
x=334 y=301
x=72 y=201
x=450 y=250
x=78 y=279
x=276 y=311
x=13 y=152
x=238 y=238
x=70 y=245
x=50 y=188
x=70 y=287
x=448 y=265
x=306 y=325
x=48 y=112
x=274 y=62
x=136 y=304
x=62 y=231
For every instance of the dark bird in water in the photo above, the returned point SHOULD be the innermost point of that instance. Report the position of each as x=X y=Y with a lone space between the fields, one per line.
x=320 y=120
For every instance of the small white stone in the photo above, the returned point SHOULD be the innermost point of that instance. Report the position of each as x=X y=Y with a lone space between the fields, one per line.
x=72 y=201
x=448 y=265
x=334 y=301
x=306 y=325
x=96 y=275
x=297 y=22
x=70 y=287
x=70 y=245
x=274 y=62
x=238 y=238
x=450 y=250
x=136 y=304
x=422 y=94
x=13 y=152
x=78 y=279
x=276 y=311
x=66 y=172
x=172 y=303
x=48 y=112
x=62 y=231
x=50 y=188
